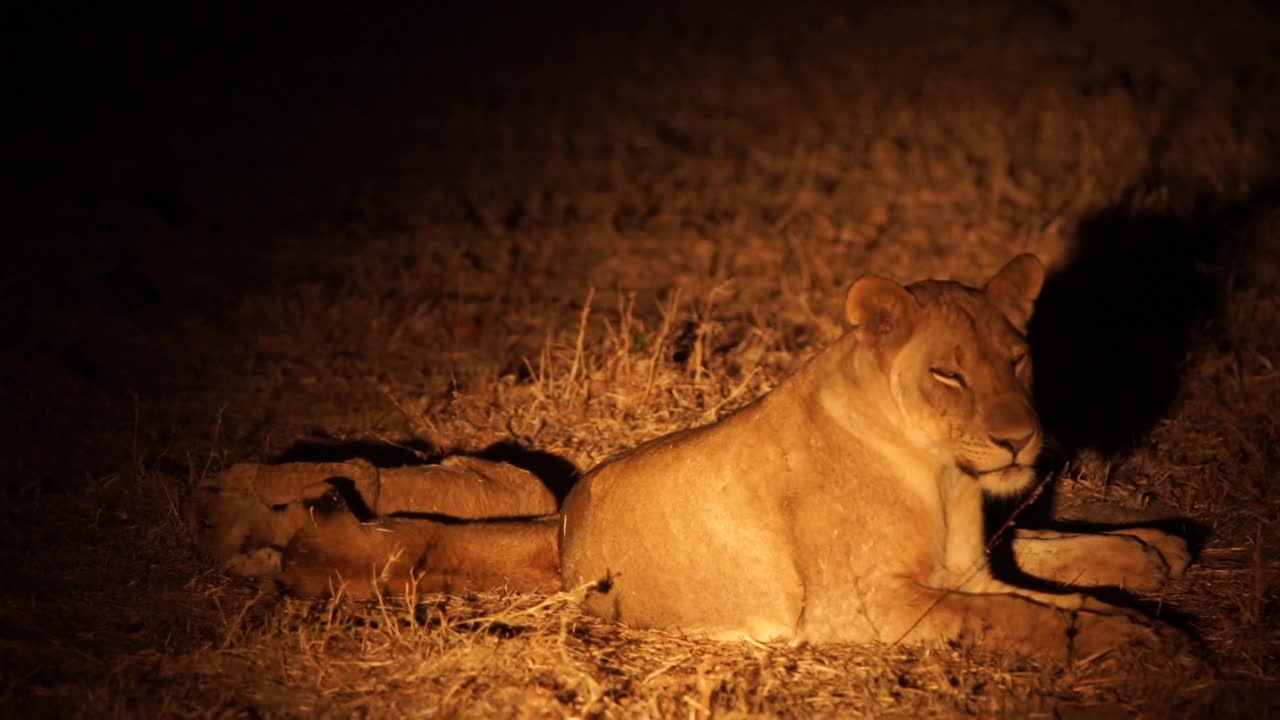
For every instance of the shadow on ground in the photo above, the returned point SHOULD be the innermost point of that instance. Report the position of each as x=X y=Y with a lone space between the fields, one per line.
x=1113 y=325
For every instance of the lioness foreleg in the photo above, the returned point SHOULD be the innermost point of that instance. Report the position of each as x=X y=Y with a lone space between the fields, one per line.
x=1140 y=559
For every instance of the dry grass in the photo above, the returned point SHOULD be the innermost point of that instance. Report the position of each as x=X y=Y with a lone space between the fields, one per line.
x=614 y=251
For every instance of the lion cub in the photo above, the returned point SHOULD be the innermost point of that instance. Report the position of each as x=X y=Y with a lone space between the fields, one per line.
x=845 y=505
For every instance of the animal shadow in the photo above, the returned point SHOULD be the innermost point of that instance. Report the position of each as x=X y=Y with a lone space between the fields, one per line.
x=1112 y=325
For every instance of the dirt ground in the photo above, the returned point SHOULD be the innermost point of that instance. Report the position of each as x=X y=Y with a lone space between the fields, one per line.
x=555 y=233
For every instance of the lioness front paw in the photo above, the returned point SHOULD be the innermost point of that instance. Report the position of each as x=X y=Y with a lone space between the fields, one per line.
x=1172 y=549
x=1143 y=561
x=1135 y=566
x=1137 y=559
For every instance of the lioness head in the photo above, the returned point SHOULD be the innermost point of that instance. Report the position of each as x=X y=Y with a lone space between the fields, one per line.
x=956 y=367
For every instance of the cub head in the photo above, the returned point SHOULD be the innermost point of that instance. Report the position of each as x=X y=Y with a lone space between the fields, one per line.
x=955 y=371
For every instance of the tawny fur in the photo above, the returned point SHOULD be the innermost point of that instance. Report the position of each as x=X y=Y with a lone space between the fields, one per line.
x=846 y=505
x=399 y=555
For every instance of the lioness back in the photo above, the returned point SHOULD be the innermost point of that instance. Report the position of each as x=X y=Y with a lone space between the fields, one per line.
x=698 y=548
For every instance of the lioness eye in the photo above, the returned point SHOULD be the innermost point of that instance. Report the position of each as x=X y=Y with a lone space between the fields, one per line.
x=947 y=377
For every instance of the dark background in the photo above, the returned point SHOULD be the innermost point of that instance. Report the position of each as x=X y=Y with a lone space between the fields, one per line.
x=228 y=230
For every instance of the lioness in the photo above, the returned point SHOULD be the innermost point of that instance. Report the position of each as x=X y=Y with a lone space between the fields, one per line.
x=845 y=505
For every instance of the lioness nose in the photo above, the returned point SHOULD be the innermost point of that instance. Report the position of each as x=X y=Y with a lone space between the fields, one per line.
x=1013 y=442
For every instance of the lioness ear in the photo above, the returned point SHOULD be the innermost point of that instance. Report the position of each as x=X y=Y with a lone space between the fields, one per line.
x=1015 y=288
x=881 y=312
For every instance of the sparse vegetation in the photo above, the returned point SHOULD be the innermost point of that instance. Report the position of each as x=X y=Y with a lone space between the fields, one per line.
x=643 y=231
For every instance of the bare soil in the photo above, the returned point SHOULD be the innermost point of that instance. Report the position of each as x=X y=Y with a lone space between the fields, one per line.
x=552 y=234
